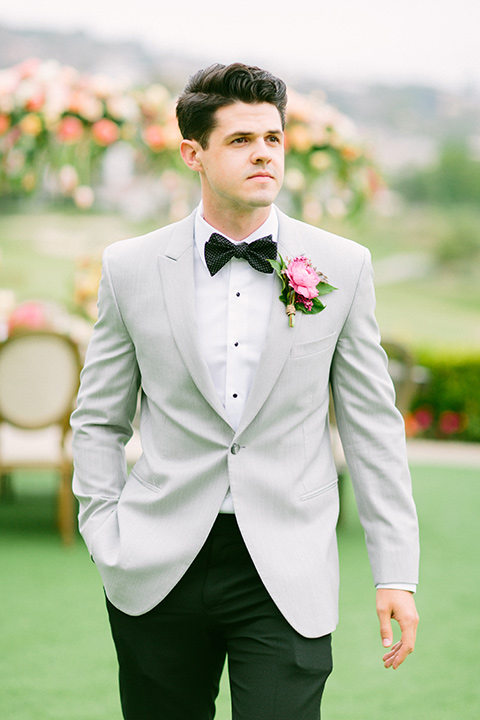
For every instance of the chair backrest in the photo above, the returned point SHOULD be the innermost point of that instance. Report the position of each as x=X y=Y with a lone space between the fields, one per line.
x=39 y=379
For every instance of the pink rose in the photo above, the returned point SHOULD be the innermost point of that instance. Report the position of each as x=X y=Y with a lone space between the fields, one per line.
x=303 y=278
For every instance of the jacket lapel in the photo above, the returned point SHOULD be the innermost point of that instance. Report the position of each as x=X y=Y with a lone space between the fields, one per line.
x=280 y=336
x=177 y=274
x=178 y=282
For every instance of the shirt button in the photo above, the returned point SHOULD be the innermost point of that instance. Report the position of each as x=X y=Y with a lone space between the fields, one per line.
x=236 y=344
x=235 y=395
x=237 y=294
x=235 y=449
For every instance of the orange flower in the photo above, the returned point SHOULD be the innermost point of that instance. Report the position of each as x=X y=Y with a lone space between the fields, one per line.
x=36 y=102
x=350 y=153
x=70 y=129
x=105 y=132
x=4 y=124
x=299 y=137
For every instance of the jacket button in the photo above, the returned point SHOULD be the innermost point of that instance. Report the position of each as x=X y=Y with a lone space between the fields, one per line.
x=235 y=449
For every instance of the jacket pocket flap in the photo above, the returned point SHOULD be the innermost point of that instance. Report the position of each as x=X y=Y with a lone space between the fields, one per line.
x=313 y=346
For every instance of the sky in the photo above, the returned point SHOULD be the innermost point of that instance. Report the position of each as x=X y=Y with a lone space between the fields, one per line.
x=431 y=42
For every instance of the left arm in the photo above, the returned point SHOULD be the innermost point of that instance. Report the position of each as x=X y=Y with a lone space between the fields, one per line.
x=373 y=438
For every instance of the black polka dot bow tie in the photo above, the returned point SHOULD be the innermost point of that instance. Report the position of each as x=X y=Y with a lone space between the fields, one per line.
x=219 y=250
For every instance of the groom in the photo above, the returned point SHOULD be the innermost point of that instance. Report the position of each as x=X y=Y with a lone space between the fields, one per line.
x=221 y=541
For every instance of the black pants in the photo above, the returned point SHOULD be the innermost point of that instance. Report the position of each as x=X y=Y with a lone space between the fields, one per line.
x=171 y=658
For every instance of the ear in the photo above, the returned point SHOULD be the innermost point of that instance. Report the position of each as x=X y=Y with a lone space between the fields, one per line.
x=191 y=151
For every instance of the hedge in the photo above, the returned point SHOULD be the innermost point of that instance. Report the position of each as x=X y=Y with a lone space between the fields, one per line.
x=447 y=404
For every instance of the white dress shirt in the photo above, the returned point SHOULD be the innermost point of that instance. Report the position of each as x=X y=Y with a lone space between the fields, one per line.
x=233 y=310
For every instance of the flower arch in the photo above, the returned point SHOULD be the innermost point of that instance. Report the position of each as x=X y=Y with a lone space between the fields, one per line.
x=57 y=125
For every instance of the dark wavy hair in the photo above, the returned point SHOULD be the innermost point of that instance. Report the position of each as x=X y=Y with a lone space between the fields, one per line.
x=220 y=85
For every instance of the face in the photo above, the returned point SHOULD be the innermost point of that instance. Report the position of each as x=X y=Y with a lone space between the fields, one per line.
x=241 y=169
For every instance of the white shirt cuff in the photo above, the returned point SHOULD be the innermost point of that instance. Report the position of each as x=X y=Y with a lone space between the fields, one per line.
x=410 y=587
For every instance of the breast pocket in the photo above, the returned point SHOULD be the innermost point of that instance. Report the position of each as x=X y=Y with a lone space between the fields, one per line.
x=313 y=346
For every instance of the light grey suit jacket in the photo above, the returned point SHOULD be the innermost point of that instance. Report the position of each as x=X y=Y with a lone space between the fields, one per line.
x=144 y=530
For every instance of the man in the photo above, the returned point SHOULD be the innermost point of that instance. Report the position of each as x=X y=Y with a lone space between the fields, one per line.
x=221 y=541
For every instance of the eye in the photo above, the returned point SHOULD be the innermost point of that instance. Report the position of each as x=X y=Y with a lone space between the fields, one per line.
x=273 y=139
x=239 y=140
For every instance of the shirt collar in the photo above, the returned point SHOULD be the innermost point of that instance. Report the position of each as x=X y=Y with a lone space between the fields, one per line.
x=203 y=230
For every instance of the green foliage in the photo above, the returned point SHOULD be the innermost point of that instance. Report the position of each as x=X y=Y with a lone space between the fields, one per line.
x=459 y=246
x=454 y=179
x=448 y=404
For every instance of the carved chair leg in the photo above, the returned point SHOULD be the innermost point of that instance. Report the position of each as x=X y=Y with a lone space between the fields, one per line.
x=66 y=507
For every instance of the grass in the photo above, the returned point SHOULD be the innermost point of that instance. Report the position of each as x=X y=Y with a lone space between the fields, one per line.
x=58 y=662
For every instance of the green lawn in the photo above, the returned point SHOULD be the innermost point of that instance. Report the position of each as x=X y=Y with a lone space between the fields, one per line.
x=57 y=660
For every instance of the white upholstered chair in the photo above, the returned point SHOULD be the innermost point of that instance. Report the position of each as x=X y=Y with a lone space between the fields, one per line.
x=39 y=378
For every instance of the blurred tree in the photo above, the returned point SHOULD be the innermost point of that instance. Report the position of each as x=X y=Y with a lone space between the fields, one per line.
x=453 y=180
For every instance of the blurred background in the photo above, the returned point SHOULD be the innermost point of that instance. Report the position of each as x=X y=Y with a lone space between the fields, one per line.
x=383 y=146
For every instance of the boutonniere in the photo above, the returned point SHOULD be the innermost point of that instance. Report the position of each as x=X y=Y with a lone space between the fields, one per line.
x=302 y=285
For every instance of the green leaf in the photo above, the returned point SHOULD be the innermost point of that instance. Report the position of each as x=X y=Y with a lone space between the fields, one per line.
x=276 y=265
x=324 y=288
x=317 y=306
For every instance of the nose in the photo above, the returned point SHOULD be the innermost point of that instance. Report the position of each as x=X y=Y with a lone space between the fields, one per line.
x=261 y=153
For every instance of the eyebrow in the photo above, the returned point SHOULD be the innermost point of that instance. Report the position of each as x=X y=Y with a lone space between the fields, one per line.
x=240 y=133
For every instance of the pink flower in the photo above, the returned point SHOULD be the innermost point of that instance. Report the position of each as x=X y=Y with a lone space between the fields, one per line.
x=424 y=418
x=105 y=132
x=83 y=197
x=30 y=315
x=299 y=286
x=451 y=422
x=307 y=304
x=303 y=278
x=68 y=179
x=35 y=102
x=154 y=137
x=70 y=129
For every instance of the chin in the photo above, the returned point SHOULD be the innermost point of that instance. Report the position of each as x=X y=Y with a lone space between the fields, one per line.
x=263 y=200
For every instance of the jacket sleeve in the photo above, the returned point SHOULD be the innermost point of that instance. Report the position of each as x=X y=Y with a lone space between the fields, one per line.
x=373 y=438
x=102 y=421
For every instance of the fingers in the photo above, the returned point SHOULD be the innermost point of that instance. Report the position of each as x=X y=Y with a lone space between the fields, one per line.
x=395 y=656
x=400 y=605
x=386 y=632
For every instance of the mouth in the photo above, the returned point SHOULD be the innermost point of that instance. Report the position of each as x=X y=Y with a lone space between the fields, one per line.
x=261 y=176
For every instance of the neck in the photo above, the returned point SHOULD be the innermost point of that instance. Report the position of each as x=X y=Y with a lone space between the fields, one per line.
x=234 y=224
